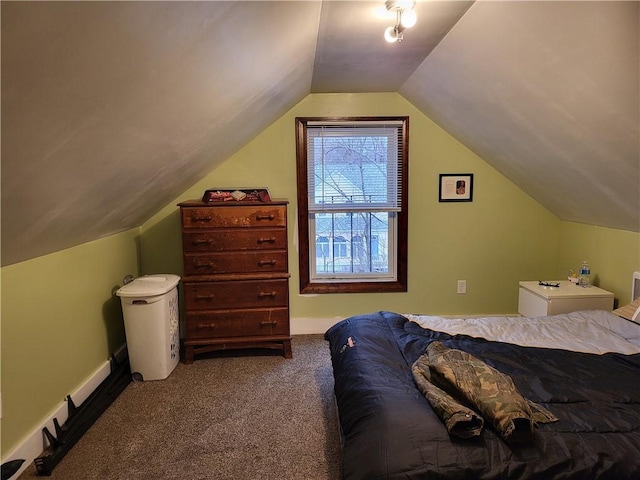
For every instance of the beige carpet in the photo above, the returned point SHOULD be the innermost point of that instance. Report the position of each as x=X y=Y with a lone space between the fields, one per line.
x=257 y=416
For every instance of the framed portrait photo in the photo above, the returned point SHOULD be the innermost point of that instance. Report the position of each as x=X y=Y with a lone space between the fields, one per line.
x=456 y=187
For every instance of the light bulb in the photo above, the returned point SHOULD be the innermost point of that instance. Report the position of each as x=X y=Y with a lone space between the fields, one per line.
x=408 y=18
x=390 y=35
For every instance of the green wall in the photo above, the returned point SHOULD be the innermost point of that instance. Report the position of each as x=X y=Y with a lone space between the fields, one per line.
x=502 y=237
x=60 y=322
x=612 y=254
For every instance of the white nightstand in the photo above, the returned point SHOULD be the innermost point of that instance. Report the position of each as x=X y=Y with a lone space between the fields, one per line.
x=536 y=300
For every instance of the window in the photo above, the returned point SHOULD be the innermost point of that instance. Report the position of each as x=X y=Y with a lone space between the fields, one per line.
x=339 y=247
x=322 y=247
x=352 y=204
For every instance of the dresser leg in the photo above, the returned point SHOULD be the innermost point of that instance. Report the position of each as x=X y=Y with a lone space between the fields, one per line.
x=286 y=344
x=188 y=354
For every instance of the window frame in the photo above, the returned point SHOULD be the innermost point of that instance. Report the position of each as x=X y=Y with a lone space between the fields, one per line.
x=305 y=250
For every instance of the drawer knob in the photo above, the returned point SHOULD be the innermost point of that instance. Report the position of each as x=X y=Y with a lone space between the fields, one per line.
x=204 y=219
x=207 y=265
x=271 y=216
x=266 y=294
x=264 y=263
x=204 y=298
x=273 y=323
x=206 y=241
x=206 y=325
x=267 y=240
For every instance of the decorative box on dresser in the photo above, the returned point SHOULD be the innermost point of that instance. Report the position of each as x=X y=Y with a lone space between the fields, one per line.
x=236 y=276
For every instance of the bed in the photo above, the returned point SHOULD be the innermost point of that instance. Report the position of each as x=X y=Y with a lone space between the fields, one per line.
x=583 y=367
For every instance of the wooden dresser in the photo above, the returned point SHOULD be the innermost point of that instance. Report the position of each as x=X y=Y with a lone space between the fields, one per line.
x=236 y=276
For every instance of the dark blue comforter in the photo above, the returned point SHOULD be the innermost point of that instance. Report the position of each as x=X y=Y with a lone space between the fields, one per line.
x=390 y=430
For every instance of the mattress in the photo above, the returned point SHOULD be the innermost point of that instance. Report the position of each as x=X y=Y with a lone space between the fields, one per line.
x=390 y=430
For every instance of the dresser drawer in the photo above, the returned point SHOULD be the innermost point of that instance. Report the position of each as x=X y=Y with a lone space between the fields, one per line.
x=236 y=216
x=235 y=240
x=250 y=262
x=236 y=294
x=237 y=323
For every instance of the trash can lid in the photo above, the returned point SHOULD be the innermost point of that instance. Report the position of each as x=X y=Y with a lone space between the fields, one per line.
x=149 y=285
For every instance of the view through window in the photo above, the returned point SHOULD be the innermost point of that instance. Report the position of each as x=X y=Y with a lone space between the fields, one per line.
x=352 y=203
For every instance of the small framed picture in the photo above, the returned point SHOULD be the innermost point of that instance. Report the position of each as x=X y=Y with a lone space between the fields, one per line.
x=456 y=187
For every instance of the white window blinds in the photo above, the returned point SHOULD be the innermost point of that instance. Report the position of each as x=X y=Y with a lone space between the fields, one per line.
x=354 y=166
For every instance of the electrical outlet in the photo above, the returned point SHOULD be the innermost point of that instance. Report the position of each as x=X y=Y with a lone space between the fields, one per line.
x=462 y=286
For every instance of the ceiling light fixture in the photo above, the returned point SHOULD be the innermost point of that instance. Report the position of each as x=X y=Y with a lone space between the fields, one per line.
x=405 y=18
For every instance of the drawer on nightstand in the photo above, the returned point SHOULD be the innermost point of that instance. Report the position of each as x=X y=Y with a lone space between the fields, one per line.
x=535 y=300
x=237 y=323
x=249 y=262
x=236 y=294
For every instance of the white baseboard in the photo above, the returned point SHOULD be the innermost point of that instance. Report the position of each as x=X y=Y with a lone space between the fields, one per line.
x=36 y=442
x=307 y=326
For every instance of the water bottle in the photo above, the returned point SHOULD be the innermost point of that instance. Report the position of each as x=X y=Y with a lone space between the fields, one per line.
x=585 y=275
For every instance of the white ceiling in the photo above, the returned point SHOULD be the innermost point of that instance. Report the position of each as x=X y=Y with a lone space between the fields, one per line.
x=105 y=103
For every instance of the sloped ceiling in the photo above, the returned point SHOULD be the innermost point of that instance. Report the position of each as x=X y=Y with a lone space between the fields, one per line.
x=548 y=93
x=108 y=104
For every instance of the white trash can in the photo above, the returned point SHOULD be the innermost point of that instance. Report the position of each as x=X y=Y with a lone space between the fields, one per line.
x=151 y=324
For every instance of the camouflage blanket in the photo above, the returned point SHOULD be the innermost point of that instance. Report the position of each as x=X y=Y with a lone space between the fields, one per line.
x=464 y=391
